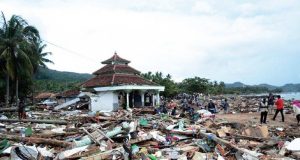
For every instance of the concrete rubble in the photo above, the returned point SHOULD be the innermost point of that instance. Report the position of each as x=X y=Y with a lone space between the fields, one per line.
x=149 y=134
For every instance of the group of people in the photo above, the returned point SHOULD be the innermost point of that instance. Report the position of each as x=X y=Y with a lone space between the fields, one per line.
x=185 y=104
x=267 y=104
x=172 y=107
x=187 y=108
x=211 y=107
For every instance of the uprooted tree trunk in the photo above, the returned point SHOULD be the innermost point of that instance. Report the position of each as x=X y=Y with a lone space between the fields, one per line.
x=51 y=142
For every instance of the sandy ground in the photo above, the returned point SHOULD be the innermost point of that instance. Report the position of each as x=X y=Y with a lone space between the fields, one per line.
x=290 y=119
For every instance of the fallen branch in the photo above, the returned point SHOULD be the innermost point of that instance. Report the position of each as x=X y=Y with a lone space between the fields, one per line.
x=51 y=142
x=35 y=121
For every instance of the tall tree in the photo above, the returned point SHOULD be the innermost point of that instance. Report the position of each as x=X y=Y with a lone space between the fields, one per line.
x=171 y=88
x=16 y=38
x=195 y=84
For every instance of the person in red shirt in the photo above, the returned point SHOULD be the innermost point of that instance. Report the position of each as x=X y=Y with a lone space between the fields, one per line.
x=279 y=107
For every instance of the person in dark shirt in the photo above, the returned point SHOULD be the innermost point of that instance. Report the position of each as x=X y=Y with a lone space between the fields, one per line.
x=211 y=106
x=191 y=111
x=225 y=106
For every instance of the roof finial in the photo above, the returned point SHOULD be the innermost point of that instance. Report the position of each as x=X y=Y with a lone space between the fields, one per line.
x=115 y=52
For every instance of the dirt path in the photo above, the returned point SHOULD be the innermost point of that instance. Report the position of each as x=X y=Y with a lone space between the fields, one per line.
x=254 y=118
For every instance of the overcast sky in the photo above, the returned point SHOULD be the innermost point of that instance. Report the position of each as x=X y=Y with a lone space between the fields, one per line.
x=255 y=41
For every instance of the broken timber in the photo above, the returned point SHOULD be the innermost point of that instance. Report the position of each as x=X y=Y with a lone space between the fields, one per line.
x=51 y=142
x=35 y=121
x=51 y=135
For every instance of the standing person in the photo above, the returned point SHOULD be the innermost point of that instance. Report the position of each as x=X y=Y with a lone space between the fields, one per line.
x=271 y=103
x=263 y=106
x=279 y=107
x=225 y=106
x=21 y=110
x=211 y=106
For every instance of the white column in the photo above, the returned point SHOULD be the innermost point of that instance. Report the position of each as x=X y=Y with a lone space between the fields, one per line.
x=143 y=97
x=153 y=100
x=127 y=99
x=132 y=99
x=158 y=99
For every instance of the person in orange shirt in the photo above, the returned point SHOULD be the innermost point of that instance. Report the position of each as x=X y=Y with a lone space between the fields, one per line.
x=279 y=107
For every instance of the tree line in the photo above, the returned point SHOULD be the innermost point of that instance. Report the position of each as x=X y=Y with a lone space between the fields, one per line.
x=199 y=85
x=21 y=55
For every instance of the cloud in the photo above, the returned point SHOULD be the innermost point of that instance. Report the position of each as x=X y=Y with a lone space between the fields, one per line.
x=229 y=41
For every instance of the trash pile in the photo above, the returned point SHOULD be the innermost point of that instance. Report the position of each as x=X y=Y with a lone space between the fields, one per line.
x=141 y=133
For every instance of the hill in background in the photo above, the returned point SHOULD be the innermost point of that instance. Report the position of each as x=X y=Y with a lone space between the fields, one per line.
x=49 y=74
x=285 y=88
x=48 y=80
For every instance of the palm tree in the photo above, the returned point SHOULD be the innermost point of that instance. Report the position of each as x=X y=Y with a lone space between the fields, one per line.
x=3 y=62
x=16 y=37
x=39 y=57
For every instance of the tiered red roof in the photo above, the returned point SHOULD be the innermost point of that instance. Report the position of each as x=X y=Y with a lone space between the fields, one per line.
x=115 y=58
x=120 y=68
x=116 y=72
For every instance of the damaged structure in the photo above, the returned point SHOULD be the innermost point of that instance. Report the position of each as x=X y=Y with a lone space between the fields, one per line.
x=118 y=85
x=72 y=132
